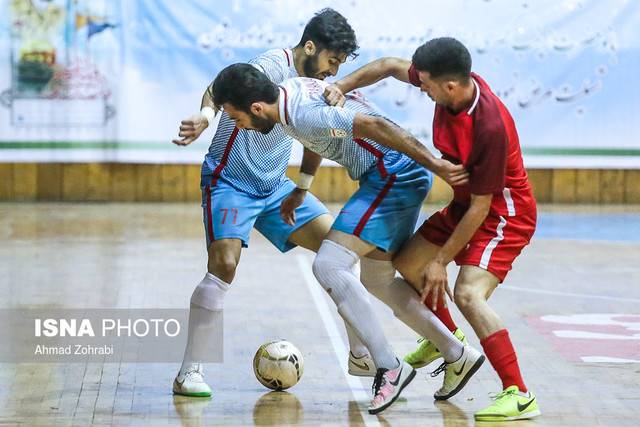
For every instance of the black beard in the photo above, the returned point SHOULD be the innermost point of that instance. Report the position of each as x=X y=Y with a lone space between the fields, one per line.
x=263 y=126
x=310 y=66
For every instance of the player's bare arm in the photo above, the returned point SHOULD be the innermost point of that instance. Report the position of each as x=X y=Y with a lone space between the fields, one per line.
x=388 y=134
x=308 y=168
x=435 y=273
x=366 y=76
x=192 y=127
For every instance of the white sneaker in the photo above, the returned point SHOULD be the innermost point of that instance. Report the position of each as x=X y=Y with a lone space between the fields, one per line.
x=362 y=366
x=388 y=384
x=456 y=374
x=191 y=382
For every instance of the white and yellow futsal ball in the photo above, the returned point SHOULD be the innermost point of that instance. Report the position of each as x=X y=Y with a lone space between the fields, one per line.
x=278 y=365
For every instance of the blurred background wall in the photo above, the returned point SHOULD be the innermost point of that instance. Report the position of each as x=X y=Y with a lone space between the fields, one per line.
x=92 y=91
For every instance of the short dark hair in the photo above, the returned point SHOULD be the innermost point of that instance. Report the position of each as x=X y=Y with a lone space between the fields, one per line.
x=330 y=30
x=443 y=57
x=241 y=85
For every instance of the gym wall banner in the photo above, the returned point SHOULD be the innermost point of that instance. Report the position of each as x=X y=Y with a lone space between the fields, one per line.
x=109 y=80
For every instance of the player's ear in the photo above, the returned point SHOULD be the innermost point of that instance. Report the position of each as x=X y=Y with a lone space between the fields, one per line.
x=256 y=108
x=310 y=48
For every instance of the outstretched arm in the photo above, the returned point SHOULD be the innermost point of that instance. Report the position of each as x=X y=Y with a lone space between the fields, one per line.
x=371 y=73
x=375 y=71
x=390 y=135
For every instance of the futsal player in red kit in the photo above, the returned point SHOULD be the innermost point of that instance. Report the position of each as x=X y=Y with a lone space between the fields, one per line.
x=488 y=222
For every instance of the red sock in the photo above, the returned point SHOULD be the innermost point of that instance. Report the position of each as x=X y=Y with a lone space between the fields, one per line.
x=442 y=313
x=502 y=356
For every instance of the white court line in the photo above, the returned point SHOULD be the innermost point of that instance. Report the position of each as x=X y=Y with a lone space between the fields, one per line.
x=594 y=335
x=567 y=294
x=602 y=359
x=341 y=350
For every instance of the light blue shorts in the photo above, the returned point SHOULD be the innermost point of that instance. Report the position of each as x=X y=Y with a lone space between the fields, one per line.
x=385 y=208
x=229 y=213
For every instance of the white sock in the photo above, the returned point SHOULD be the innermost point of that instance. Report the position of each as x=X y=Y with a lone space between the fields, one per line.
x=333 y=268
x=356 y=347
x=205 y=320
x=402 y=298
x=376 y=275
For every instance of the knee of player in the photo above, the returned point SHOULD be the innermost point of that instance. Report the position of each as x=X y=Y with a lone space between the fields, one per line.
x=465 y=297
x=332 y=260
x=223 y=265
x=321 y=266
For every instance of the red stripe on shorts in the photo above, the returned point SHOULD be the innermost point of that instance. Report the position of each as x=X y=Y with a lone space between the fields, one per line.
x=374 y=206
x=209 y=215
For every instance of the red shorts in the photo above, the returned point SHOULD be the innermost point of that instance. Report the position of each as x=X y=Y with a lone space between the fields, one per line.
x=496 y=244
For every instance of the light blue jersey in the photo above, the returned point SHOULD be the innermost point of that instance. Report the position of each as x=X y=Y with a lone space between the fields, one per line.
x=385 y=208
x=328 y=130
x=247 y=160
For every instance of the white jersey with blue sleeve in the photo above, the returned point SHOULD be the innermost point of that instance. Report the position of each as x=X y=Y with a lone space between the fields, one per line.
x=247 y=160
x=328 y=131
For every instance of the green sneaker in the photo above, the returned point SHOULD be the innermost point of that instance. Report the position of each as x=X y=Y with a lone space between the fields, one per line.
x=427 y=351
x=510 y=405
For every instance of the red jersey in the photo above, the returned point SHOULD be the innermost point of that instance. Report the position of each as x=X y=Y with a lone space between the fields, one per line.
x=484 y=139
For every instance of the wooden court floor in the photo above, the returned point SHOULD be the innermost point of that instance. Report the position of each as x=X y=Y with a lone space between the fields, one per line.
x=572 y=305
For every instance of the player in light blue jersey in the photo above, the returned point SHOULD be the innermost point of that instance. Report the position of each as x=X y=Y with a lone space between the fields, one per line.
x=390 y=167
x=244 y=184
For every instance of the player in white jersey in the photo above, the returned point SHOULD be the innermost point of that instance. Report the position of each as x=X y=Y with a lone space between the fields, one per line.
x=244 y=184
x=390 y=167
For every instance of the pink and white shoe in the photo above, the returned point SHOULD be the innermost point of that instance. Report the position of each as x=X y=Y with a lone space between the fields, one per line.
x=388 y=384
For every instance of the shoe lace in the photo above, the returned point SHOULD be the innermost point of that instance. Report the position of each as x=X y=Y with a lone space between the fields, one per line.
x=378 y=381
x=193 y=373
x=498 y=396
x=439 y=369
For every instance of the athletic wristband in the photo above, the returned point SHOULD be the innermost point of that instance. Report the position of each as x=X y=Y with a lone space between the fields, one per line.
x=208 y=113
x=304 y=181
